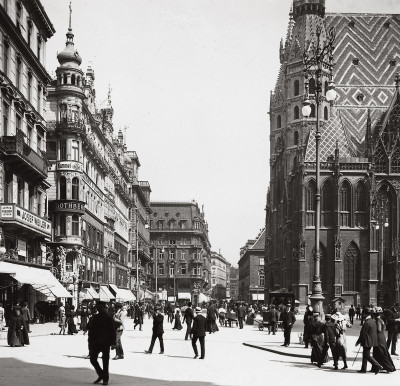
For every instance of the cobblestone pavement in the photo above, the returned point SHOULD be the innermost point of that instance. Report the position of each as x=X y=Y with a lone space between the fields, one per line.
x=60 y=360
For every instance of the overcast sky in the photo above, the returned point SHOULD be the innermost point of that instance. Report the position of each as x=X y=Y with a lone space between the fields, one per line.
x=191 y=80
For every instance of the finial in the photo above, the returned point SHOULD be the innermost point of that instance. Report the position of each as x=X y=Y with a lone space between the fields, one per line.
x=70 y=13
x=109 y=95
x=397 y=80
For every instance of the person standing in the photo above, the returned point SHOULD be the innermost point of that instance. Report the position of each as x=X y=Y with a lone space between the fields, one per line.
x=178 y=324
x=102 y=336
x=241 y=312
x=158 y=331
x=119 y=321
x=273 y=319
x=199 y=333
x=17 y=334
x=138 y=317
x=26 y=315
x=212 y=315
x=392 y=322
x=308 y=321
x=288 y=320
x=368 y=339
x=188 y=318
x=351 y=314
x=341 y=344
x=62 y=319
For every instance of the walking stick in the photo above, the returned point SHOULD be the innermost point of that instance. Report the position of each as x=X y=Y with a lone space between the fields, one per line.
x=356 y=356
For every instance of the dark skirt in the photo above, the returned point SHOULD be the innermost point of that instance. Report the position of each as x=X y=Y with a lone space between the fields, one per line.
x=316 y=350
x=381 y=353
x=178 y=324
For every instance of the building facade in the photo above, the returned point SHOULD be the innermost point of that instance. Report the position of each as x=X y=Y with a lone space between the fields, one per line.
x=359 y=154
x=218 y=276
x=228 y=280
x=181 y=251
x=251 y=270
x=234 y=283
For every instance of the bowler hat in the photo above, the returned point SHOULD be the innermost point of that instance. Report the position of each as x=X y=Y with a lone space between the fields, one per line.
x=198 y=309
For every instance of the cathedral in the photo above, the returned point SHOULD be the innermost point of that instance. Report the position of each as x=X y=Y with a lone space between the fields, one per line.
x=359 y=161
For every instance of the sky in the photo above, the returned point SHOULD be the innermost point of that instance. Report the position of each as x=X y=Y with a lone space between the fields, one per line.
x=190 y=81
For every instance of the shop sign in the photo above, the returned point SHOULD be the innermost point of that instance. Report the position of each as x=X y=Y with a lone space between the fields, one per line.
x=7 y=211
x=32 y=220
x=69 y=165
x=70 y=206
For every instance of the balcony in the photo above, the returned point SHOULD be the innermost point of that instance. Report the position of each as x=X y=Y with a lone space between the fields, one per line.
x=23 y=158
x=70 y=125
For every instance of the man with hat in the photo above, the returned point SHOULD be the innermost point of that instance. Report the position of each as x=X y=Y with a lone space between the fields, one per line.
x=199 y=332
x=241 y=312
x=288 y=320
x=119 y=321
x=158 y=331
x=368 y=338
x=273 y=319
x=188 y=317
x=331 y=333
x=393 y=326
x=102 y=336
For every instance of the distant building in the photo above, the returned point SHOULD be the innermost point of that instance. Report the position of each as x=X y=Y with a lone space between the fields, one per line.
x=218 y=276
x=234 y=283
x=251 y=270
x=181 y=251
x=228 y=280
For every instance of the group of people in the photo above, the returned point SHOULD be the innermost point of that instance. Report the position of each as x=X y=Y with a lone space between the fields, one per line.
x=331 y=335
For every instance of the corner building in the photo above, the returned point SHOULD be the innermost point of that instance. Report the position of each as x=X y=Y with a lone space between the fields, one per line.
x=360 y=158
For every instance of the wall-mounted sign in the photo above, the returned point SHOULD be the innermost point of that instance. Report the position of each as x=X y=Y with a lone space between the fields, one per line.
x=69 y=165
x=70 y=206
x=7 y=211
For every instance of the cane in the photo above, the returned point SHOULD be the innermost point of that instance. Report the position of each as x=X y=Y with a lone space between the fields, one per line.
x=356 y=356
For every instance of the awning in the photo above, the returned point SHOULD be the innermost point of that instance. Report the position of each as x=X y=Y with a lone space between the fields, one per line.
x=89 y=293
x=40 y=279
x=105 y=294
x=184 y=295
x=122 y=294
x=203 y=298
x=257 y=297
x=171 y=298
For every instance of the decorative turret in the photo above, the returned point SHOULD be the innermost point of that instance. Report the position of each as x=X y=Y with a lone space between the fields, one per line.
x=308 y=7
x=108 y=111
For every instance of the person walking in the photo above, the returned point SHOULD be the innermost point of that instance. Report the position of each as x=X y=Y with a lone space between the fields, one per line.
x=380 y=352
x=288 y=320
x=341 y=344
x=331 y=333
x=138 y=317
x=393 y=324
x=102 y=336
x=308 y=321
x=368 y=339
x=188 y=318
x=199 y=333
x=177 y=324
x=26 y=315
x=212 y=315
x=119 y=321
x=158 y=331
x=241 y=312
x=351 y=314
x=2 y=318
x=17 y=334
x=273 y=319
x=62 y=319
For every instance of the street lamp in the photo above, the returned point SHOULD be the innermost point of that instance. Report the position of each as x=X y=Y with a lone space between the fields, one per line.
x=318 y=59
x=156 y=271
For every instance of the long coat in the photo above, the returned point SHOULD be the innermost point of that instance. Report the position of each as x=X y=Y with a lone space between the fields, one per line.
x=158 y=321
x=368 y=334
x=199 y=326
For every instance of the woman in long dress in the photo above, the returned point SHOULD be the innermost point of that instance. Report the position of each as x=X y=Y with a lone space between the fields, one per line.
x=341 y=345
x=17 y=334
x=317 y=339
x=381 y=353
x=178 y=324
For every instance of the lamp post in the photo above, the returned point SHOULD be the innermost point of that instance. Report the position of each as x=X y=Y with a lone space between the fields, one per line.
x=317 y=60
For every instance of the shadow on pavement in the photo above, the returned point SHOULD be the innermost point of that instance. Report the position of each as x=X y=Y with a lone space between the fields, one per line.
x=18 y=373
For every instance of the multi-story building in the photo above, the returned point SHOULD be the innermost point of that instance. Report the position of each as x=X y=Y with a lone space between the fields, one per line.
x=359 y=161
x=218 y=276
x=234 y=283
x=180 y=250
x=24 y=225
x=251 y=270
x=228 y=280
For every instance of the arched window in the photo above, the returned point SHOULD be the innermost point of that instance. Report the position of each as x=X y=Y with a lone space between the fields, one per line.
x=327 y=204
x=326 y=116
x=63 y=188
x=310 y=204
x=73 y=79
x=279 y=122
x=75 y=225
x=69 y=261
x=296 y=112
x=171 y=224
x=63 y=225
x=296 y=88
x=361 y=205
x=345 y=204
x=75 y=188
x=311 y=86
x=326 y=87
x=296 y=137
x=351 y=269
x=312 y=115
x=65 y=79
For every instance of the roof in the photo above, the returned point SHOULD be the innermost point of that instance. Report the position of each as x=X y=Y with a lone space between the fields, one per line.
x=260 y=242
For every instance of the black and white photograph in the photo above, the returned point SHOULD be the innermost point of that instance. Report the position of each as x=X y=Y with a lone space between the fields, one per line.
x=199 y=192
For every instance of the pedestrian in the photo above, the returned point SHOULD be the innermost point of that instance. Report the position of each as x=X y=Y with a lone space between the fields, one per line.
x=102 y=336
x=308 y=321
x=368 y=339
x=17 y=335
x=331 y=333
x=84 y=320
x=241 y=312
x=351 y=314
x=212 y=316
x=380 y=352
x=178 y=324
x=26 y=315
x=358 y=312
x=273 y=319
x=62 y=319
x=119 y=321
x=199 y=333
x=138 y=317
x=188 y=318
x=393 y=326
x=341 y=343
x=288 y=320
x=316 y=339
x=158 y=331
x=2 y=317
x=71 y=321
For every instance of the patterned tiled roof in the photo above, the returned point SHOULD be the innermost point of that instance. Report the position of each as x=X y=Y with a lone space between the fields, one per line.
x=332 y=134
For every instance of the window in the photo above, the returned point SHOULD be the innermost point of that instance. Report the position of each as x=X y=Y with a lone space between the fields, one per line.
x=38 y=98
x=296 y=138
x=161 y=255
x=160 y=224
x=18 y=72
x=312 y=115
x=39 y=203
x=345 y=197
x=279 y=122
x=51 y=150
x=171 y=255
x=196 y=225
x=29 y=136
x=63 y=225
x=75 y=150
x=63 y=188
x=75 y=225
x=296 y=112
x=6 y=50
x=39 y=47
x=31 y=202
x=262 y=261
x=183 y=269
x=351 y=271
x=6 y=112
x=30 y=25
x=75 y=188
x=161 y=269
x=183 y=255
x=182 y=224
x=311 y=86
x=63 y=150
x=261 y=280
x=171 y=271
x=326 y=116
x=20 y=197
x=296 y=87
x=39 y=143
x=310 y=196
x=29 y=96
x=327 y=205
x=160 y=241
x=172 y=242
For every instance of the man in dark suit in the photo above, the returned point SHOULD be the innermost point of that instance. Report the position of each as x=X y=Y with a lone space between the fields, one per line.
x=392 y=326
x=288 y=320
x=199 y=332
x=101 y=337
x=368 y=338
x=188 y=318
x=273 y=319
x=158 y=331
x=241 y=312
x=212 y=315
x=331 y=334
x=26 y=315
